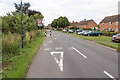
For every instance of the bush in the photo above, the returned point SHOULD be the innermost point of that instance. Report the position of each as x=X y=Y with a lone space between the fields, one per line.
x=106 y=33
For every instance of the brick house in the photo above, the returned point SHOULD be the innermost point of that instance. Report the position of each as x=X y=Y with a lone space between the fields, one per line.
x=87 y=24
x=73 y=24
x=109 y=23
x=49 y=26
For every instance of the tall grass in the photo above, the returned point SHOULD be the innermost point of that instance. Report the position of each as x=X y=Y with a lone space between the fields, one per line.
x=11 y=43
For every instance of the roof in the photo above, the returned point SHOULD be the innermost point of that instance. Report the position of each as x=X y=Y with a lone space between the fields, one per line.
x=84 y=22
x=110 y=19
x=73 y=23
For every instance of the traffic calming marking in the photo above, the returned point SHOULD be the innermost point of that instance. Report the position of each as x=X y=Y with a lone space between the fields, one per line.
x=79 y=52
x=109 y=75
x=59 y=62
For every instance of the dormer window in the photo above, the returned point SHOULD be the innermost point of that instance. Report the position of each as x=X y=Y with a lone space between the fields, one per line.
x=110 y=23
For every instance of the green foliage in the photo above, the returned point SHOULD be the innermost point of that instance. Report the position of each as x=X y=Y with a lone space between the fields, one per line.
x=61 y=22
x=11 y=43
x=12 y=23
x=54 y=23
x=107 y=33
x=74 y=28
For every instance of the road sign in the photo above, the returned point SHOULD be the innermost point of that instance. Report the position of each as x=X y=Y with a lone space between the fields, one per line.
x=39 y=22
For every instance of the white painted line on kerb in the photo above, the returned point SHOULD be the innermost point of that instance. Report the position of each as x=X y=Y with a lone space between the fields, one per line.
x=60 y=63
x=109 y=75
x=79 y=52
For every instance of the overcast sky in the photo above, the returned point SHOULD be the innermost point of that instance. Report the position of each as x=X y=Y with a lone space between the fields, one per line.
x=74 y=10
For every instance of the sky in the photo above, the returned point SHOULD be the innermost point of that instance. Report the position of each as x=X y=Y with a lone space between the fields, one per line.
x=74 y=10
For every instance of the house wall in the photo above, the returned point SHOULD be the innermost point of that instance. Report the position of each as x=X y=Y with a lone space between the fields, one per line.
x=91 y=24
x=107 y=26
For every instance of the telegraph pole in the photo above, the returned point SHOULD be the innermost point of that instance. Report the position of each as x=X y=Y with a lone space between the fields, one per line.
x=22 y=24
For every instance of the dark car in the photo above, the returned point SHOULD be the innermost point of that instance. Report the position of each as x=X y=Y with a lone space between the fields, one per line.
x=70 y=31
x=116 y=38
x=92 y=33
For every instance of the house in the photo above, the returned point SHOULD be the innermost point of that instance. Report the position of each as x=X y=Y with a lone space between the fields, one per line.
x=49 y=26
x=73 y=24
x=87 y=24
x=109 y=23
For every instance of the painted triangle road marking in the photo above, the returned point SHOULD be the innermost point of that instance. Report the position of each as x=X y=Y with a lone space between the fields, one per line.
x=59 y=62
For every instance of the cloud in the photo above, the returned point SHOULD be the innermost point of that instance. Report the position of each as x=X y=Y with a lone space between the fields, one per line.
x=76 y=10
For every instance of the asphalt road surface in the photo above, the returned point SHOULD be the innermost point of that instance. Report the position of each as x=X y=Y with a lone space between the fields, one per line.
x=64 y=56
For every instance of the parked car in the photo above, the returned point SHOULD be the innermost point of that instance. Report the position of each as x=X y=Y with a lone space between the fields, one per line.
x=70 y=31
x=92 y=33
x=64 y=30
x=85 y=33
x=80 y=32
x=116 y=38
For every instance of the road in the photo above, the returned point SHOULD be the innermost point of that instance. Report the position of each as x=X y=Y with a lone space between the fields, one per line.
x=64 y=56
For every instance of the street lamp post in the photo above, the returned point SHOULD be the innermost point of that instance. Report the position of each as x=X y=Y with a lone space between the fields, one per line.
x=22 y=24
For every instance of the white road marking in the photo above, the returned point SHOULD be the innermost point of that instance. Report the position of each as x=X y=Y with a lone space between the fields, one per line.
x=79 y=52
x=47 y=49
x=55 y=38
x=109 y=75
x=48 y=43
x=60 y=63
x=58 y=48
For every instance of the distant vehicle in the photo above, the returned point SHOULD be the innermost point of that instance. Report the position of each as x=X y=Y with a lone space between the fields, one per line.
x=85 y=33
x=80 y=32
x=116 y=38
x=64 y=30
x=92 y=33
x=55 y=29
x=70 y=31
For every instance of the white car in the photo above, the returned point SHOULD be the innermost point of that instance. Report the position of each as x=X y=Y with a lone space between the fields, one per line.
x=80 y=32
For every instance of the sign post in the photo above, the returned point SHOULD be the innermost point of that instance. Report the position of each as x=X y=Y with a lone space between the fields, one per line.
x=39 y=22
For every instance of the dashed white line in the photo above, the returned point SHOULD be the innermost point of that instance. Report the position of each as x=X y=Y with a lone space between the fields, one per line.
x=79 y=52
x=48 y=43
x=109 y=75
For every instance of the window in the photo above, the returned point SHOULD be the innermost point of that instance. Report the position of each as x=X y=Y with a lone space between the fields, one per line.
x=102 y=29
x=116 y=29
x=117 y=23
x=102 y=23
x=110 y=23
x=110 y=29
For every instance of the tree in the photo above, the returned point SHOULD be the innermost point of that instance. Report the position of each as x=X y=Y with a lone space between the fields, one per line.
x=25 y=7
x=54 y=23
x=61 y=22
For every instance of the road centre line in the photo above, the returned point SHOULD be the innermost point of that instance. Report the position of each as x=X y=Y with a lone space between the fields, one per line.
x=79 y=52
x=109 y=75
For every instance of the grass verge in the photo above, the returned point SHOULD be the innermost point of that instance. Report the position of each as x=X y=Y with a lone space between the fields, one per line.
x=19 y=65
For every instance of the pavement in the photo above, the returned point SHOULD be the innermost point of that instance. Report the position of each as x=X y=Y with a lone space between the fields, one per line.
x=64 y=56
